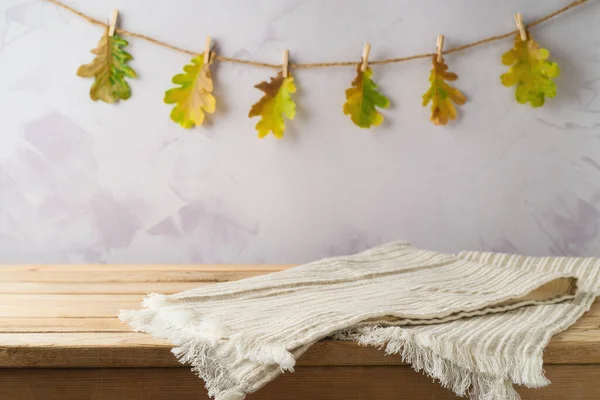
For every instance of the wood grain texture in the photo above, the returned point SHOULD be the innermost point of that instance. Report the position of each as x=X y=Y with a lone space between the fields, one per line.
x=144 y=267
x=95 y=275
x=323 y=383
x=586 y=329
x=62 y=325
x=129 y=349
x=140 y=288
x=66 y=305
x=65 y=316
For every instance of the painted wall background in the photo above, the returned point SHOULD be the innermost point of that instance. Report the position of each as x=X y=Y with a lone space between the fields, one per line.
x=89 y=182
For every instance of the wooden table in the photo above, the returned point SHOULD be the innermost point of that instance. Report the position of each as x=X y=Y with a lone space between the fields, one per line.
x=60 y=340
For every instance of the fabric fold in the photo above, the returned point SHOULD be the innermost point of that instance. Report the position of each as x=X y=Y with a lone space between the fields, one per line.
x=239 y=335
x=485 y=355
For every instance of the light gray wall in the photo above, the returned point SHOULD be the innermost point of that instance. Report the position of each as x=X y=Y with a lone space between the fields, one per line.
x=89 y=182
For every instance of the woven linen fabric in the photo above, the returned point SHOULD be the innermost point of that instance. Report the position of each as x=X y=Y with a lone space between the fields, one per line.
x=485 y=355
x=240 y=335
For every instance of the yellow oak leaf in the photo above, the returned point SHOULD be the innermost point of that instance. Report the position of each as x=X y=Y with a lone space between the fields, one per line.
x=194 y=97
x=441 y=94
x=363 y=98
x=531 y=71
x=109 y=70
x=276 y=103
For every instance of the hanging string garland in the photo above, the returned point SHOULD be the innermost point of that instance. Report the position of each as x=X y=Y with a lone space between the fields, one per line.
x=530 y=71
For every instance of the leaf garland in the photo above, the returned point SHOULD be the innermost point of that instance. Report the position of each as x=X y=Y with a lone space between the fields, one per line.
x=531 y=71
x=194 y=98
x=276 y=103
x=441 y=94
x=363 y=98
x=109 y=70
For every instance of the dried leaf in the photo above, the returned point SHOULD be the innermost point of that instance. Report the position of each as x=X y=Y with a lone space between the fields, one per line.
x=274 y=105
x=531 y=71
x=109 y=69
x=362 y=98
x=194 y=97
x=441 y=94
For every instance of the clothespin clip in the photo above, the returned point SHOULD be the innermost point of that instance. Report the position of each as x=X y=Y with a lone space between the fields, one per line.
x=113 y=22
x=520 y=26
x=286 y=63
x=207 y=50
x=365 y=57
x=439 y=47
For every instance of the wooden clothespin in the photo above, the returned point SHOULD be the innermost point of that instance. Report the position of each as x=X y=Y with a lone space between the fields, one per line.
x=286 y=63
x=439 y=47
x=365 y=57
x=520 y=26
x=113 y=22
x=207 y=50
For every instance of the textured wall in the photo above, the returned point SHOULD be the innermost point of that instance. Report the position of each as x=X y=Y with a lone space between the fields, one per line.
x=88 y=182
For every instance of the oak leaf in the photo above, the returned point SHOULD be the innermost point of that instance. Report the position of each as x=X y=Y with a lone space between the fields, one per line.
x=441 y=94
x=109 y=70
x=363 y=98
x=275 y=104
x=531 y=71
x=193 y=98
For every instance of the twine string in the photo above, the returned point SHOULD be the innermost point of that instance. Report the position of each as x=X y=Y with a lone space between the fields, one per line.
x=456 y=49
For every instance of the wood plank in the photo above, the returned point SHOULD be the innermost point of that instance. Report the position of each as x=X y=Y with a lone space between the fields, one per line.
x=87 y=276
x=62 y=325
x=85 y=350
x=75 y=320
x=65 y=305
x=146 y=267
x=323 y=383
x=586 y=329
x=580 y=342
x=76 y=337
x=96 y=287
x=140 y=350
x=566 y=348
x=130 y=349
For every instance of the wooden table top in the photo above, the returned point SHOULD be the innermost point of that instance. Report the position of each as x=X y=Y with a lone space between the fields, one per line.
x=65 y=316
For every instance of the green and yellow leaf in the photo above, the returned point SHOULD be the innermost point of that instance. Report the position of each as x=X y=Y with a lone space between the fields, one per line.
x=275 y=104
x=363 y=98
x=193 y=98
x=109 y=70
x=531 y=71
x=441 y=94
